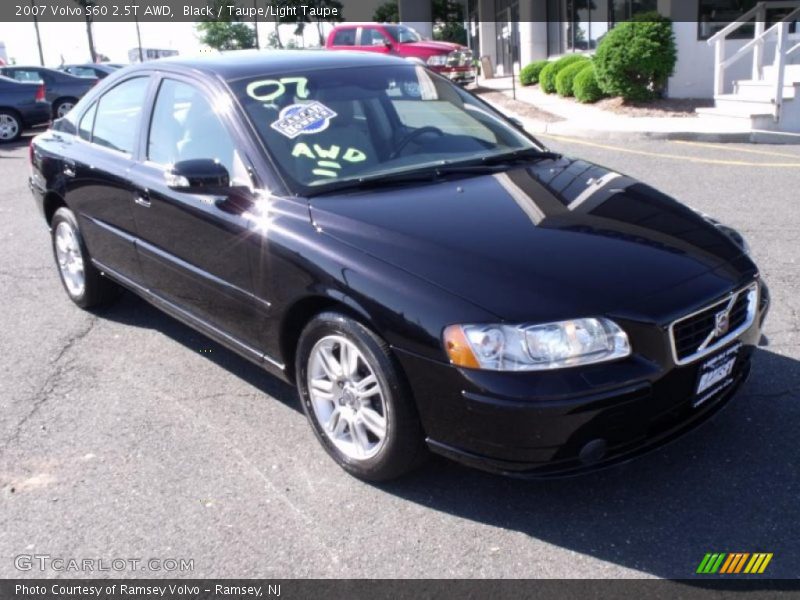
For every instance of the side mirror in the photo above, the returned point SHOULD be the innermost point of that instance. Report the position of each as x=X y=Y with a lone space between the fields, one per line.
x=198 y=176
x=516 y=123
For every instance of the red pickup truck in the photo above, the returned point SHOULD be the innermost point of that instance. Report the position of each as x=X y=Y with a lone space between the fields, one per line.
x=451 y=60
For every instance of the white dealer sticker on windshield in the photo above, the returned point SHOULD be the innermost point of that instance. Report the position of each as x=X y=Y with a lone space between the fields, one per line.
x=297 y=119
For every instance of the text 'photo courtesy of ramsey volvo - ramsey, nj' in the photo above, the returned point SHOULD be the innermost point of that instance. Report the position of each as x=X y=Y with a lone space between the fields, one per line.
x=430 y=276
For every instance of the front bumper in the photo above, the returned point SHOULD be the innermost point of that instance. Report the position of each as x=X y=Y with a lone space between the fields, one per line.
x=567 y=421
x=457 y=74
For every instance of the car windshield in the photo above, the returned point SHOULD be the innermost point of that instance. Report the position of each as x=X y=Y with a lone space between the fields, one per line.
x=337 y=125
x=403 y=34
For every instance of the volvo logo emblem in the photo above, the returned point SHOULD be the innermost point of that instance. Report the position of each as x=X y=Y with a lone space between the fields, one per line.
x=721 y=323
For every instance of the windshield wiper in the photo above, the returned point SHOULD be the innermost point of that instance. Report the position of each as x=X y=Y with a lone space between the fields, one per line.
x=485 y=165
x=526 y=155
x=426 y=175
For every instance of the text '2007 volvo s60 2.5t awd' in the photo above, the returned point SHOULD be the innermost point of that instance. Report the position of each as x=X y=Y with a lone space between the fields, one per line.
x=429 y=275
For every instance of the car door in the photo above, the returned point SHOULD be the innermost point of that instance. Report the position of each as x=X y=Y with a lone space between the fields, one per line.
x=195 y=249
x=372 y=39
x=97 y=170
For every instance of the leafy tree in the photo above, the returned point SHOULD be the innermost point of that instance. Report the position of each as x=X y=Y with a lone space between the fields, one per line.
x=226 y=33
x=388 y=12
x=447 y=15
x=303 y=17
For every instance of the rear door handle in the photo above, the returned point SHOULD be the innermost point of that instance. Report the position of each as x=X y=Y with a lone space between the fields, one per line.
x=142 y=199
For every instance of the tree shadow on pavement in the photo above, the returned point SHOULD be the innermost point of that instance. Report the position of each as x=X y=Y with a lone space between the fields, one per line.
x=730 y=486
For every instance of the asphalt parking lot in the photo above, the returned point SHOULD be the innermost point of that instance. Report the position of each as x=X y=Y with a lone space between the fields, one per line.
x=124 y=434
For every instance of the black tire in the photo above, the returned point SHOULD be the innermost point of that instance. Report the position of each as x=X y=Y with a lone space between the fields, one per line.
x=10 y=125
x=404 y=448
x=97 y=290
x=58 y=104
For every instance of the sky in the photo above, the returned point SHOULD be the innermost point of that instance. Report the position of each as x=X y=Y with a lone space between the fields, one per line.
x=112 y=39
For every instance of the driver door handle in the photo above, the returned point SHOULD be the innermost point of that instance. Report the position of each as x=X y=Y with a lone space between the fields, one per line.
x=142 y=199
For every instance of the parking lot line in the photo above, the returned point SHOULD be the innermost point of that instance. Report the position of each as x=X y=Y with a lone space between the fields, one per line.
x=735 y=149
x=695 y=159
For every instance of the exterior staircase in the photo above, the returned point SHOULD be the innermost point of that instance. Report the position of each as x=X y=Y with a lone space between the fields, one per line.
x=768 y=104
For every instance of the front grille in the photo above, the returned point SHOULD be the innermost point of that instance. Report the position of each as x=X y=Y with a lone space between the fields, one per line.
x=696 y=335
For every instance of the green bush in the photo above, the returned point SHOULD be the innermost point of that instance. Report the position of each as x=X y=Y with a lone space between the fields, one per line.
x=529 y=74
x=636 y=58
x=585 y=85
x=566 y=78
x=547 y=78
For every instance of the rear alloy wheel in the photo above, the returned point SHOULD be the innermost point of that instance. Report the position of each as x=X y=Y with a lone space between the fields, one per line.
x=62 y=108
x=83 y=283
x=10 y=126
x=356 y=402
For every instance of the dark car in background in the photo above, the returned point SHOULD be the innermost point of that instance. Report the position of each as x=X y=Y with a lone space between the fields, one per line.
x=22 y=106
x=95 y=70
x=63 y=90
x=426 y=273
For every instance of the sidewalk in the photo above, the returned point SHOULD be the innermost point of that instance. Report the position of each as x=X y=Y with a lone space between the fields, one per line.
x=587 y=121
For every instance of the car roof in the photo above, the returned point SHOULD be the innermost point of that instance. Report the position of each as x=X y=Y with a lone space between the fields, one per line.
x=242 y=64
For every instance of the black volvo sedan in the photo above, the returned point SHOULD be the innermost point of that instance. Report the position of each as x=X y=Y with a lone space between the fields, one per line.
x=429 y=275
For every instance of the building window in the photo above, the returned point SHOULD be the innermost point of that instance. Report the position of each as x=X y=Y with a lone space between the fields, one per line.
x=715 y=15
x=580 y=25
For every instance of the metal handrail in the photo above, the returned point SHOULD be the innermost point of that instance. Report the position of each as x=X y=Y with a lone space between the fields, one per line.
x=746 y=48
x=759 y=13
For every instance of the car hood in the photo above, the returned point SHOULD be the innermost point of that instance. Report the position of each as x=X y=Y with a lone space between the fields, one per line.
x=432 y=46
x=563 y=238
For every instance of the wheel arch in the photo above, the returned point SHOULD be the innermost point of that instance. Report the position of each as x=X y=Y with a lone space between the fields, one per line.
x=300 y=313
x=59 y=100
x=12 y=110
x=52 y=202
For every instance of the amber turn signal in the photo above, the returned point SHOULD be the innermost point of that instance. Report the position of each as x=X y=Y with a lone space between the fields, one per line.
x=458 y=348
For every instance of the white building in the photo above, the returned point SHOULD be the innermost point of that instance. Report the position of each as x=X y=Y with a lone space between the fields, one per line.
x=727 y=49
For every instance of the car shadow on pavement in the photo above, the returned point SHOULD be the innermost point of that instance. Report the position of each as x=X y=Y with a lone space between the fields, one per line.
x=132 y=310
x=732 y=485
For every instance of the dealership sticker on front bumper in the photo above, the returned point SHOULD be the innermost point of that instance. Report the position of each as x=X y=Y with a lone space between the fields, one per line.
x=715 y=374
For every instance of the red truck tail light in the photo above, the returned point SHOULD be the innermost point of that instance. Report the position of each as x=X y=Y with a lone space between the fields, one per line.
x=40 y=93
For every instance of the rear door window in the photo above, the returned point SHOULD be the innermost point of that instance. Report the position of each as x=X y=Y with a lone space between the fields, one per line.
x=87 y=122
x=119 y=112
x=345 y=37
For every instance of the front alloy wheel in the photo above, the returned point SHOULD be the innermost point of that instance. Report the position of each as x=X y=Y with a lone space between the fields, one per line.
x=347 y=398
x=356 y=399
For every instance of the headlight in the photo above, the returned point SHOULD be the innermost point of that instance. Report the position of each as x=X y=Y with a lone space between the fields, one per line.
x=535 y=347
x=437 y=60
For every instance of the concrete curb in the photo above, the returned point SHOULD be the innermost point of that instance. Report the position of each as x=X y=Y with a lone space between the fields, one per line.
x=571 y=129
